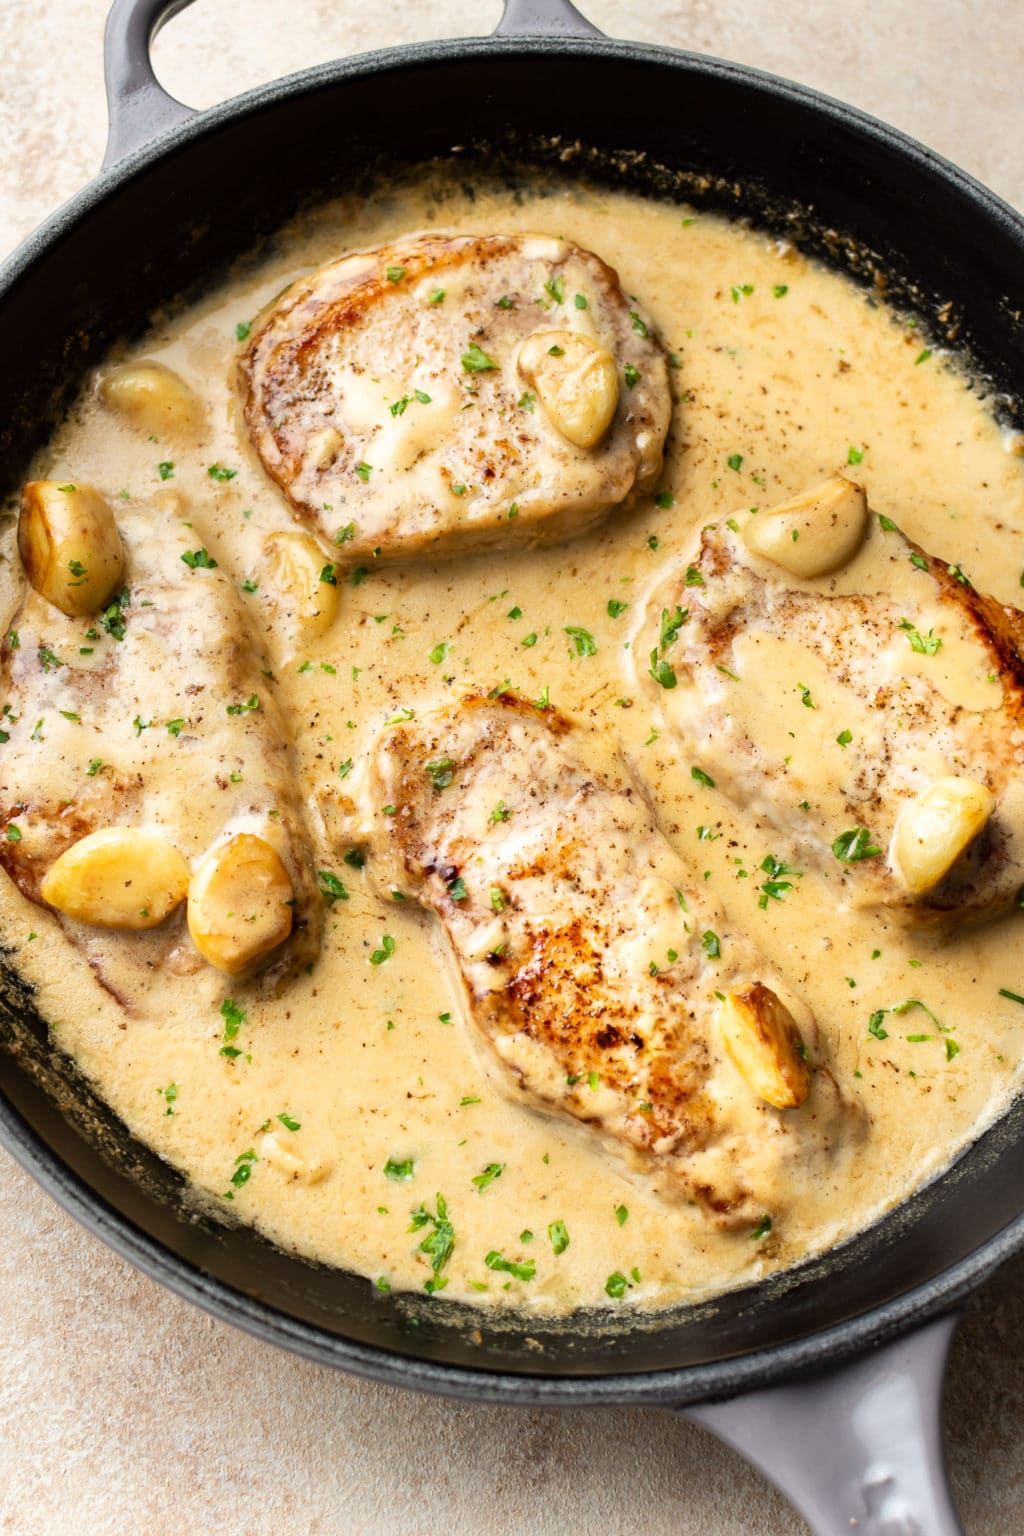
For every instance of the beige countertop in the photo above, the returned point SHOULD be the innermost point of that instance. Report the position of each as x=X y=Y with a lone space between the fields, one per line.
x=125 y=1410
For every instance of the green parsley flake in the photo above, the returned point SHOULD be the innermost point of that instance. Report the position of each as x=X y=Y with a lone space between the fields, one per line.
x=853 y=846
x=524 y=1271
x=441 y=772
x=400 y=1170
x=493 y=1171
x=924 y=645
x=386 y=950
x=583 y=642
x=476 y=360
x=330 y=887
x=199 y=560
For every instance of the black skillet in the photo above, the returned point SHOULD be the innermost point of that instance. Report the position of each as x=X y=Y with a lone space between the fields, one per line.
x=828 y=1377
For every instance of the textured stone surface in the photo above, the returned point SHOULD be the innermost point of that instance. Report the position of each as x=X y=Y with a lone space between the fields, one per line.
x=124 y=1410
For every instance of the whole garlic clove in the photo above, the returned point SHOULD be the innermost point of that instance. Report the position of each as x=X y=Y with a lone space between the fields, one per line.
x=762 y=1039
x=815 y=532
x=576 y=382
x=152 y=398
x=303 y=581
x=239 y=903
x=935 y=828
x=119 y=877
x=69 y=546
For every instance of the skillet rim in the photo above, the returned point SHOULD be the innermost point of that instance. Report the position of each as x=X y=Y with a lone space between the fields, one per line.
x=680 y=1385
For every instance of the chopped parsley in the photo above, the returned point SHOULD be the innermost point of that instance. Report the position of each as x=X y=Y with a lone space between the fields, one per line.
x=394 y=274
x=199 y=559
x=853 y=846
x=735 y=461
x=661 y=671
x=251 y=704
x=441 y=772
x=616 y=1285
x=457 y=889
x=501 y=812
x=616 y=607
x=219 y=472
x=700 y=777
x=776 y=886
x=711 y=944
x=289 y=1122
x=476 y=360
x=364 y=471
x=166 y=470
x=493 y=1171
x=583 y=642
x=672 y=622
x=762 y=1229
x=439 y=652
x=631 y=376
x=115 y=617
x=438 y=1244
x=854 y=455
x=386 y=950
x=559 y=1237
x=924 y=645
x=400 y=1170
x=330 y=887
x=524 y=1271
x=639 y=325
x=555 y=289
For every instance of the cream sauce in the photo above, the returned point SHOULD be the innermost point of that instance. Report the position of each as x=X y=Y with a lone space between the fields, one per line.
x=785 y=371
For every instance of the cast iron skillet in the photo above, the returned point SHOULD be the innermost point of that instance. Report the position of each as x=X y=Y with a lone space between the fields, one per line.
x=181 y=195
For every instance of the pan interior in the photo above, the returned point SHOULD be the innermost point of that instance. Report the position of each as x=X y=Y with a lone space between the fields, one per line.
x=683 y=128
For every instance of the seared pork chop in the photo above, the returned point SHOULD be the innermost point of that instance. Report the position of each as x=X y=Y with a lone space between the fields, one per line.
x=880 y=731
x=605 y=986
x=155 y=714
x=446 y=394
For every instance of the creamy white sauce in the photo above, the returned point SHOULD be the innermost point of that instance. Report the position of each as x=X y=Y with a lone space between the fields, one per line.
x=788 y=367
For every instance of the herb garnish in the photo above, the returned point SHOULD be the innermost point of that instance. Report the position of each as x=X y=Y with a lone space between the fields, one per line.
x=850 y=847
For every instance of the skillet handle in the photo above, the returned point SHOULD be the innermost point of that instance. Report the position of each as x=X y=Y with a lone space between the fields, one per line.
x=544 y=18
x=859 y=1448
x=138 y=107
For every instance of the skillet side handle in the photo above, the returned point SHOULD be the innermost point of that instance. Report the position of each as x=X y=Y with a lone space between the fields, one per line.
x=544 y=18
x=859 y=1448
x=138 y=107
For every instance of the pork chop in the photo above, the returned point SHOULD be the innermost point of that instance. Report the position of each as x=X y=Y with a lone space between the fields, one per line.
x=838 y=715
x=595 y=973
x=155 y=713
x=392 y=397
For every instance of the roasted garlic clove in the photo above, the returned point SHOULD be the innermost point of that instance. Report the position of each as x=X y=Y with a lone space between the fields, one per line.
x=120 y=877
x=304 y=582
x=152 y=398
x=762 y=1038
x=69 y=546
x=814 y=533
x=576 y=382
x=240 y=903
x=935 y=828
